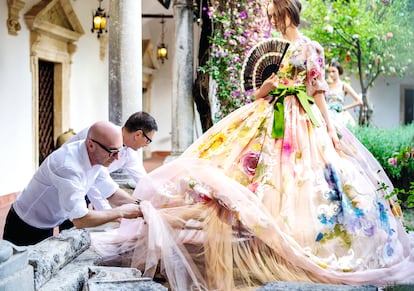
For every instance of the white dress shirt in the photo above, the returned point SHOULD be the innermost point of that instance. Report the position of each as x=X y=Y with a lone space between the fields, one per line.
x=57 y=190
x=128 y=159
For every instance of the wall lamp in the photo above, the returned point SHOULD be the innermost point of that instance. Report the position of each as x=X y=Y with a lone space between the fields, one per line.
x=99 y=20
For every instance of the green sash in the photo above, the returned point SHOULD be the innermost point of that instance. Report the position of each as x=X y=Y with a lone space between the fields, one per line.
x=304 y=99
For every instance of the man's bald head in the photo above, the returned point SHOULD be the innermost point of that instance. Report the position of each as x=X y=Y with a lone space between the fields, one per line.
x=107 y=133
x=103 y=137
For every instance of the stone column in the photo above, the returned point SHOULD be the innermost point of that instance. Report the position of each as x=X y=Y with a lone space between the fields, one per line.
x=125 y=59
x=183 y=106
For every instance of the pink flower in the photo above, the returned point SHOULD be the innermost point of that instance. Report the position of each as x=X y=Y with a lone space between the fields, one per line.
x=253 y=187
x=250 y=161
x=314 y=73
x=320 y=61
x=287 y=147
x=284 y=81
x=390 y=34
x=392 y=161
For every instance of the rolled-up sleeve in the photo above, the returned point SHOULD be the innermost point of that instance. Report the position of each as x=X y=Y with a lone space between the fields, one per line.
x=105 y=184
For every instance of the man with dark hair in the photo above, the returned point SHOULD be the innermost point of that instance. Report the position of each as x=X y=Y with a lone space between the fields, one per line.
x=137 y=133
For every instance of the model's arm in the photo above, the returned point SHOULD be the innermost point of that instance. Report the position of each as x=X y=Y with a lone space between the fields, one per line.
x=98 y=217
x=268 y=85
x=357 y=100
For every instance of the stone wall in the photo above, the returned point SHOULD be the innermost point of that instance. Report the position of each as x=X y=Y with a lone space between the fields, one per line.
x=65 y=263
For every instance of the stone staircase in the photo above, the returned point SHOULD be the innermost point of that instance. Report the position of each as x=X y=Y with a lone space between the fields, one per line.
x=65 y=263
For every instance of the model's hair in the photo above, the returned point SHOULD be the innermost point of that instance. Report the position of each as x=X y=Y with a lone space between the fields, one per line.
x=141 y=120
x=338 y=66
x=283 y=8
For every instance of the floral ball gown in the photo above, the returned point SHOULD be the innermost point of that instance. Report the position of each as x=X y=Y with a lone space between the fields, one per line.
x=240 y=207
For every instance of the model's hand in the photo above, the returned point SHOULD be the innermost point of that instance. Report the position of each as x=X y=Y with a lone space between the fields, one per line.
x=130 y=210
x=335 y=140
x=269 y=84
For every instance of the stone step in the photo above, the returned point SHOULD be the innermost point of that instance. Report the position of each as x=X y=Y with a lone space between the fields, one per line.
x=51 y=255
x=118 y=278
x=65 y=263
x=15 y=272
x=297 y=286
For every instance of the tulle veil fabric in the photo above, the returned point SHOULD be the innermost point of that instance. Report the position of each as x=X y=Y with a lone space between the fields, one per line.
x=239 y=209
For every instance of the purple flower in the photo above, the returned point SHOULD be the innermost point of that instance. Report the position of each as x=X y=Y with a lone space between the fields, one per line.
x=369 y=231
x=243 y=15
x=392 y=161
x=242 y=40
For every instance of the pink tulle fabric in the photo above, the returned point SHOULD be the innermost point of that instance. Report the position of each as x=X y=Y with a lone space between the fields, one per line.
x=240 y=208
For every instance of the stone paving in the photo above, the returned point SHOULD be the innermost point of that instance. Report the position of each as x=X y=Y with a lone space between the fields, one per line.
x=66 y=263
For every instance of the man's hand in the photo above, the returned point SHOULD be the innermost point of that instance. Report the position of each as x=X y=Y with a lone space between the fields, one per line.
x=130 y=210
x=99 y=217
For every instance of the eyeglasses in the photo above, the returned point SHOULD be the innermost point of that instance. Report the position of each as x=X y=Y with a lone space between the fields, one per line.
x=111 y=152
x=146 y=136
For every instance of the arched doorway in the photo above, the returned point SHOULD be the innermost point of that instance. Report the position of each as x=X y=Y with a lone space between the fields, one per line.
x=54 y=29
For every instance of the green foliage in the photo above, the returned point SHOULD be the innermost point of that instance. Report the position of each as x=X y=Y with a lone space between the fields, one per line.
x=237 y=26
x=394 y=149
x=407 y=195
x=370 y=37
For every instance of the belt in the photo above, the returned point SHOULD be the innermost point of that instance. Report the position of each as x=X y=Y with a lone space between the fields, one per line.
x=278 y=113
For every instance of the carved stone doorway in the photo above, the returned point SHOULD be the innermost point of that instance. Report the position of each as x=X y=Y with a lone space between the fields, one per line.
x=54 y=29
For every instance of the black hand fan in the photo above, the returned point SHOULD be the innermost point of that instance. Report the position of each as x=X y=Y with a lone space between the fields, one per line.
x=262 y=60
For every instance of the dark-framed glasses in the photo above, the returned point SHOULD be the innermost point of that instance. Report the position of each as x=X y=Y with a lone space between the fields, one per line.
x=111 y=152
x=146 y=136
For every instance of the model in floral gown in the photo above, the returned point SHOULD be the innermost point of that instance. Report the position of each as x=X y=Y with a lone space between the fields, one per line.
x=252 y=201
x=335 y=98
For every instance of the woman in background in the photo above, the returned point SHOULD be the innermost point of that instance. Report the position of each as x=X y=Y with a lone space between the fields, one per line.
x=337 y=93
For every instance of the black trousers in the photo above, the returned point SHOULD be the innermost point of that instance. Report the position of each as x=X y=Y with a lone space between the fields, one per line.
x=20 y=233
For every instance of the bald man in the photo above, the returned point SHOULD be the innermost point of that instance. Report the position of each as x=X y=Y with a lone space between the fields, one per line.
x=137 y=133
x=58 y=188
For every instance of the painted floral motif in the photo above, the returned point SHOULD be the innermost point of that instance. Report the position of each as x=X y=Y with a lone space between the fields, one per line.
x=328 y=204
x=250 y=161
x=197 y=192
x=345 y=220
x=299 y=68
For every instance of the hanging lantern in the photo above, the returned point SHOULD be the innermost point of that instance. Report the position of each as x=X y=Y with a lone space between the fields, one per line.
x=162 y=50
x=99 y=19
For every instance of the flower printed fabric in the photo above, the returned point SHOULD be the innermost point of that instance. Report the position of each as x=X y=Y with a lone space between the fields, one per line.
x=267 y=209
x=329 y=205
